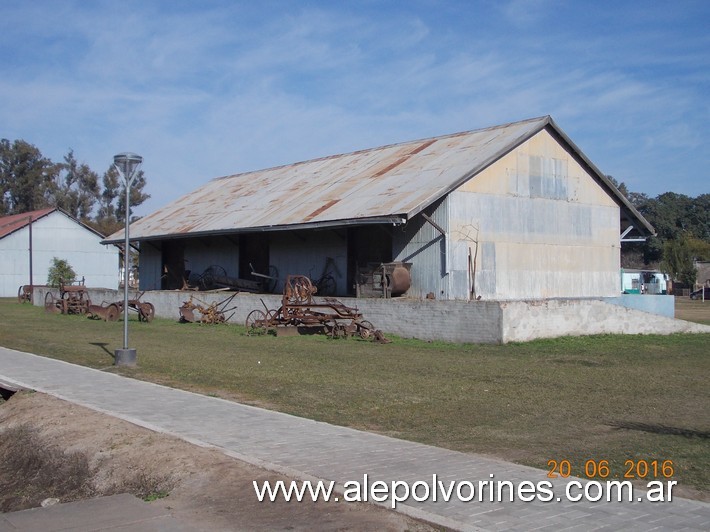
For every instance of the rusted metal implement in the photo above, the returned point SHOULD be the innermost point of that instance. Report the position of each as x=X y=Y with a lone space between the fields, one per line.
x=24 y=293
x=300 y=310
x=389 y=279
x=111 y=311
x=73 y=299
x=208 y=312
x=215 y=278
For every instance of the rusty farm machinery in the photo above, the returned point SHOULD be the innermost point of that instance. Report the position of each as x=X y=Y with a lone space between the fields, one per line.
x=111 y=311
x=74 y=299
x=196 y=310
x=299 y=310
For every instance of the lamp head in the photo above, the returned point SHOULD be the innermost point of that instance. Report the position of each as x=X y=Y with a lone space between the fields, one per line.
x=127 y=163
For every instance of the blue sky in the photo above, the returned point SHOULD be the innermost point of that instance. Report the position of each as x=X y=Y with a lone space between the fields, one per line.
x=216 y=87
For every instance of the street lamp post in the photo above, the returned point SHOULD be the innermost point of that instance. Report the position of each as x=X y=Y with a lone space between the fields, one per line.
x=127 y=165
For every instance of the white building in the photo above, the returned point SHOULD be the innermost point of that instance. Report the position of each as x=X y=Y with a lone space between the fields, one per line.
x=51 y=233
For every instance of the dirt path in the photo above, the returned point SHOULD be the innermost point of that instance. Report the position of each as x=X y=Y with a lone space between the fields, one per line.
x=206 y=488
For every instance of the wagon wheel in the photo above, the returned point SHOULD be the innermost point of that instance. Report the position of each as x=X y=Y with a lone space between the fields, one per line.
x=256 y=323
x=365 y=329
x=299 y=290
x=272 y=316
x=207 y=280
x=50 y=303
x=24 y=294
x=112 y=312
x=146 y=312
x=273 y=279
x=336 y=329
x=326 y=286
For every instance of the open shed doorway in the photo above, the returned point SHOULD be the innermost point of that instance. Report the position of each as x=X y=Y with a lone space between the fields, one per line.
x=253 y=252
x=173 y=259
x=368 y=246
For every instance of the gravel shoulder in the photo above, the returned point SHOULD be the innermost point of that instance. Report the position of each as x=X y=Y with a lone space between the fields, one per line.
x=202 y=487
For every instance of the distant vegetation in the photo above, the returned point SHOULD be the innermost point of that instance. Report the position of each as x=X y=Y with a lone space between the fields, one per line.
x=682 y=225
x=29 y=181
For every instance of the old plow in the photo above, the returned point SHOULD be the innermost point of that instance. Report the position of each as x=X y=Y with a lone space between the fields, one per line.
x=196 y=310
x=299 y=310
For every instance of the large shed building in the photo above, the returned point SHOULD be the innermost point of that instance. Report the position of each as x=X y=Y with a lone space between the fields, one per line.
x=39 y=236
x=510 y=212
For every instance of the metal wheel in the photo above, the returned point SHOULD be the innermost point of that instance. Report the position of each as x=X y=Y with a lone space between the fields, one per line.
x=336 y=329
x=256 y=323
x=146 y=312
x=299 y=290
x=365 y=329
x=209 y=277
x=50 y=303
x=272 y=316
x=24 y=294
x=273 y=280
x=112 y=312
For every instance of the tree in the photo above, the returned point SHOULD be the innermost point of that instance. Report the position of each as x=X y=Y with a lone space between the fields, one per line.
x=26 y=178
x=699 y=249
x=76 y=188
x=678 y=261
x=29 y=181
x=60 y=272
x=137 y=197
x=112 y=200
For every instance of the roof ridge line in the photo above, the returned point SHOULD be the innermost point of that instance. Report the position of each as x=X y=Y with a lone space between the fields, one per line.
x=386 y=146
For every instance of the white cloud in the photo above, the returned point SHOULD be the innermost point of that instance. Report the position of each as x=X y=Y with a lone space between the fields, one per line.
x=208 y=91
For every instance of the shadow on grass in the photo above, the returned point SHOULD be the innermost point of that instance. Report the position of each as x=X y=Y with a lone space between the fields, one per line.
x=660 y=429
x=103 y=345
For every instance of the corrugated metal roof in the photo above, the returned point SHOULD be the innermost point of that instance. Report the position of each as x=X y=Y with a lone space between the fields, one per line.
x=397 y=180
x=10 y=224
x=14 y=222
x=388 y=183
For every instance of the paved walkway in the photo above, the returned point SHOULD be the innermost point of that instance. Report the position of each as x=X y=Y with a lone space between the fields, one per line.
x=309 y=449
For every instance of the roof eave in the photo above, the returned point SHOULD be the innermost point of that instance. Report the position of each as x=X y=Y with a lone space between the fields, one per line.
x=327 y=224
x=625 y=204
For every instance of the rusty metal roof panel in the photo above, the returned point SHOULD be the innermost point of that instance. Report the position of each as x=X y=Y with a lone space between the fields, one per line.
x=395 y=180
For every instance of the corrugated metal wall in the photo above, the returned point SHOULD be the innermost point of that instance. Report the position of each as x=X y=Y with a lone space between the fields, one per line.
x=150 y=266
x=201 y=253
x=198 y=255
x=306 y=252
x=544 y=228
x=420 y=243
x=56 y=235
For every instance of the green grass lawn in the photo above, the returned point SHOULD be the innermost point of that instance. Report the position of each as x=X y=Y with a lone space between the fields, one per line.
x=612 y=398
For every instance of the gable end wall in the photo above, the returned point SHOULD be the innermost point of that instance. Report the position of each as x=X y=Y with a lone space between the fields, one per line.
x=539 y=226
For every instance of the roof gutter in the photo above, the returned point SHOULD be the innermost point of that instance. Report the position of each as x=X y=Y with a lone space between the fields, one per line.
x=378 y=220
